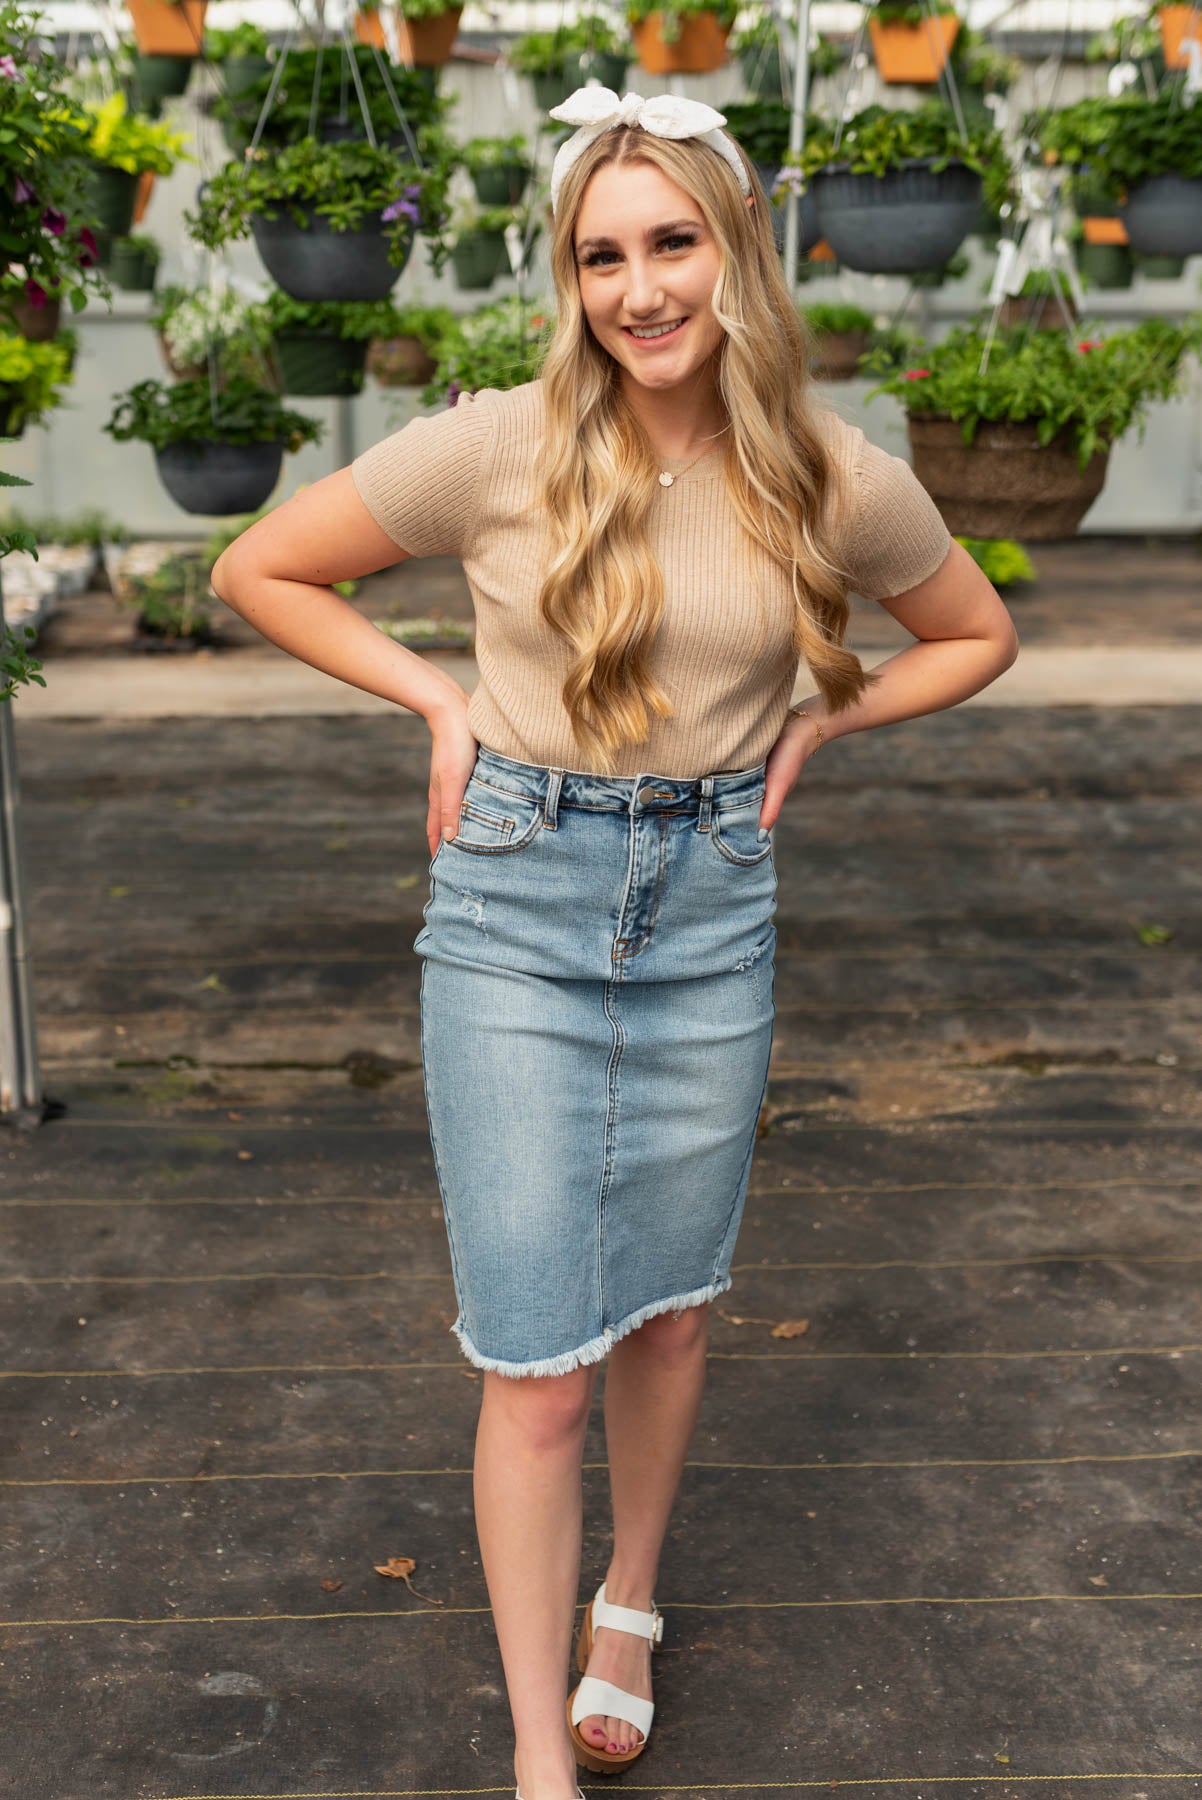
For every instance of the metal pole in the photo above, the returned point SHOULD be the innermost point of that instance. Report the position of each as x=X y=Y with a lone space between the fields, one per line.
x=797 y=136
x=20 y=1077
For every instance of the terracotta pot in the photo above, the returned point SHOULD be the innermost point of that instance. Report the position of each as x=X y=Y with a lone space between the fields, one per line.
x=168 y=27
x=837 y=354
x=1043 y=313
x=369 y=28
x=146 y=183
x=914 y=53
x=1177 y=23
x=36 y=324
x=400 y=362
x=426 y=43
x=699 y=50
x=1104 y=230
x=1005 y=483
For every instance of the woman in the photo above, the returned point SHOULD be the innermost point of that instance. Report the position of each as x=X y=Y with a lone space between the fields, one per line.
x=654 y=532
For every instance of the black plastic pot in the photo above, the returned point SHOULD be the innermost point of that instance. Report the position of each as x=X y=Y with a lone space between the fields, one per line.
x=159 y=78
x=238 y=73
x=131 y=269
x=1161 y=268
x=314 y=262
x=502 y=184
x=914 y=217
x=312 y=362
x=1106 y=266
x=762 y=73
x=551 y=88
x=807 y=215
x=478 y=257
x=112 y=194
x=605 y=66
x=1163 y=216
x=219 y=479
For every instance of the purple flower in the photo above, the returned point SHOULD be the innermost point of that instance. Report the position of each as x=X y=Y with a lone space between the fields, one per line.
x=8 y=67
x=35 y=293
x=453 y=393
x=404 y=207
x=54 y=221
x=23 y=193
x=87 y=244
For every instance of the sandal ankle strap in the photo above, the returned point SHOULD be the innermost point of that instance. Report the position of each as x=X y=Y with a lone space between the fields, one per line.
x=649 y=1625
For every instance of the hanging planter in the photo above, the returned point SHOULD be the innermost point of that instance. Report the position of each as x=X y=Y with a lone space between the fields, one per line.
x=314 y=261
x=697 y=45
x=841 y=335
x=499 y=168
x=36 y=324
x=31 y=375
x=1177 y=25
x=427 y=40
x=159 y=78
x=1163 y=215
x=1106 y=266
x=112 y=194
x=607 y=67
x=914 y=217
x=909 y=45
x=312 y=362
x=477 y=258
x=134 y=264
x=167 y=27
x=401 y=361
x=1012 y=439
x=218 y=450
x=1102 y=228
x=1160 y=268
x=902 y=189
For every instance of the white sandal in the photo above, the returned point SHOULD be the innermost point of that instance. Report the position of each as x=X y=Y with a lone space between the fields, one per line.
x=592 y=1695
x=517 y=1794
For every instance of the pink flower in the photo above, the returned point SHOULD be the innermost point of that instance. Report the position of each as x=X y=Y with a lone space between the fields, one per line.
x=54 y=221
x=90 y=254
x=35 y=293
x=8 y=67
x=915 y=374
x=23 y=193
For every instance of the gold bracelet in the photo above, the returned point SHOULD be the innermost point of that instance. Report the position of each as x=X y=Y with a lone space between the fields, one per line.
x=799 y=712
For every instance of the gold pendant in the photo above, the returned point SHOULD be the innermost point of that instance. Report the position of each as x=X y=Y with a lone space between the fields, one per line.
x=666 y=478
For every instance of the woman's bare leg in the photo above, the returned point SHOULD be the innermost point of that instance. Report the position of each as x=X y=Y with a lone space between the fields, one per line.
x=653 y=1386
x=529 y=1504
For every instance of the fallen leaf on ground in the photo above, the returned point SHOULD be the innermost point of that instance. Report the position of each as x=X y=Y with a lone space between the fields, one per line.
x=330 y=1587
x=400 y=1568
x=1098 y=1581
x=790 y=1328
x=407 y=881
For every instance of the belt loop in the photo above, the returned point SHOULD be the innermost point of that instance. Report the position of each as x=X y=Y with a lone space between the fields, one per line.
x=707 y=800
x=551 y=804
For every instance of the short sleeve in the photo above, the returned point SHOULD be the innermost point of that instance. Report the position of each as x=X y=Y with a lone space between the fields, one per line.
x=895 y=535
x=420 y=484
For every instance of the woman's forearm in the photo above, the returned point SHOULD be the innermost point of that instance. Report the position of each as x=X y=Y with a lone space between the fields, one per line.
x=924 y=678
x=321 y=628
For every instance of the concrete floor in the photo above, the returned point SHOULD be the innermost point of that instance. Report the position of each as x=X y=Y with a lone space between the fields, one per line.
x=944 y=1541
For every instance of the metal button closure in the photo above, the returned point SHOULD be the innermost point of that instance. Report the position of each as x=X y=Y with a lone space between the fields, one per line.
x=646 y=794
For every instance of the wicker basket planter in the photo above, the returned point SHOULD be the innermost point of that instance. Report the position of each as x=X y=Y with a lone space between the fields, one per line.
x=1043 y=313
x=313 y=363
x=699 y=50
x=914 y=217
x=837 y=354
x=914 y=54
x=427 y=43
x=400 y=362
x=1005 y=483
x=314 y=262
x=36 y=324
x=1163 y=216
x=219 y=479
x=167 y=27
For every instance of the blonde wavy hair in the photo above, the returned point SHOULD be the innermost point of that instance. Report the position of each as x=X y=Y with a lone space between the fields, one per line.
x=603 y=590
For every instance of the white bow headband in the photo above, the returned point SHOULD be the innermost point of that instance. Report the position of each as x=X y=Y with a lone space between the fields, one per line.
x=598 y=109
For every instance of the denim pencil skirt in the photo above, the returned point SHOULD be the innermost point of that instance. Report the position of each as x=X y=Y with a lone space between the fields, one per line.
x=597 y=1005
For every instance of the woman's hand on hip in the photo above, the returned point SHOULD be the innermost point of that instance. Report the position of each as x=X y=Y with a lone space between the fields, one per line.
x=452 y=759
x=789 y=755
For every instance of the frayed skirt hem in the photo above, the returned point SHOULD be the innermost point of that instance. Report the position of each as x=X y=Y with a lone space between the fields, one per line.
x=596 y=1348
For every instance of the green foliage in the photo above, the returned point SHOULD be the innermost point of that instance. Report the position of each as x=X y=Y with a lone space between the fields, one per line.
x=760 y=127
x=500 y=345
x=1131 y=39
x=429 y=324
x=31 y=376
x=119 y=139
x=543 y=52
x=671 y=12
x=980 y=67
x=90 y=527
x=422 y=9
x=211 y=326
x=239 y=412
x=240 y=40
x=176 y=600
x=828 y=317
x=1001 y=560
x=351 y=185
x=355 y=320
x=142 y=244
x=1124 y=139
x=17 y=667
x=494 y=152
x=909 y=12
x=881 y=138
x=1092 y=391
x=288 y=122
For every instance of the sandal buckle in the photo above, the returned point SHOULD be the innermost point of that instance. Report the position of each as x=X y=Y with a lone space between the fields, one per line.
x=658 y=1633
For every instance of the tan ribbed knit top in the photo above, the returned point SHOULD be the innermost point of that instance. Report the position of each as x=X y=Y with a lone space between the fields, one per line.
x=457 y=483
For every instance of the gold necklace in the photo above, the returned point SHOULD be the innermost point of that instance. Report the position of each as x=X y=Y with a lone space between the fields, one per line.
x=666 y=477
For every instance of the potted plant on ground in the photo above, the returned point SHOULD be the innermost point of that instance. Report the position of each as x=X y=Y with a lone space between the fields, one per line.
x=841 y=335
x=1014 y=441
x=134 y=262
x=912 y=39
x=168 y=27
x=903 y=189
x=320 y=347
x=407 y=350
x=174 y=605
x=121 y=146
x=500 y=345
x=427 y=30
x=218 y=449
x=499 y=168
x=681 y=37
x=31 y=377
x=330 y=221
